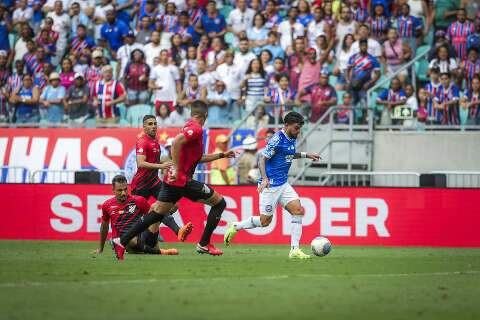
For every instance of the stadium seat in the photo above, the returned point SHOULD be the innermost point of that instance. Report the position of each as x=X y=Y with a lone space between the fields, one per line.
x=225 y=11
x=90 y=123
x=123 y=110
x=463 y=116
x=229 y=37
x=114 y=67
x=340 y=96
x=422 y=50
x=332 y=80
x=11 y=39
x=421 y=69
x=136 y=112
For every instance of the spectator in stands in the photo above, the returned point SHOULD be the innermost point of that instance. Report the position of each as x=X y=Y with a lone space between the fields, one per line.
x=295 y=58
x=164 y=82
x=100 y=16
x=25 y=99
x=36 y=62
x=80 y=42
x=304 y=13
x=61 y=25
x=273 y=46
x=144 y=34
x=216 y=56
x=95 y=71
x=232 y=76
x=179 y=116
x=124 y=53
x=218 y=102
x=360 y=13
x=444 y=61
x=4 y=68
x=422 y=111
x=412 y=104
x=67 y=75
x=317 y=26
x=137 y=73
x=444 y=13
x=362 y=72
x=259 y=119
x=470 y=102
x=189 y=64
x=107 y=94
x=431 y=90
x=48 y=44
x=343 y=54
x=243 y=57
x=278 y=68
x=390 y=98
x=373 y=47
x=258 y=34
x=15 y=81
x=409 y=27
x=212 y=23
x=324 y=51
x=22 y=14
x=52 y=99
x=176 y=52
x=222 y=172
x=77 y=18
x=283 y=97
x=379 y=22
x=271 y=15
x=446 y=100
x=470 y=68
x=20 y=48
x=112 y=32
x=459 y=32
x=396 y=53
x=344 y=110
x=322 y=97
x=185 y=30
x=193 y=91
x=169 y=19
x=152 y=49
x=310 y=73
x=76 y=101
x=346 y=25
x=240 y=20
x=290 y=29
x=247 y=160
x=254 y=85
x=205 y=78
x=163 y=117
x=266 y=58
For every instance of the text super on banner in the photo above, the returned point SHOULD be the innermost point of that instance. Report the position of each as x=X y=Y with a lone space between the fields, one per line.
x=347 y=216
x=109 y=150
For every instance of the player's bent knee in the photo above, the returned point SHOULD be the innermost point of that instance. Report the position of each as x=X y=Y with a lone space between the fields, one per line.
x=265 y=220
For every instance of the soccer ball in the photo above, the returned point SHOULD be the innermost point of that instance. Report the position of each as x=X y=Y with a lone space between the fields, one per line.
x=321 y=246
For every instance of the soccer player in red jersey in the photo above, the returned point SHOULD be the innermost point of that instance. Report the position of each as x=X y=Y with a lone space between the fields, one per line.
x=146 y=182
x=187 y=152
x=123 y=211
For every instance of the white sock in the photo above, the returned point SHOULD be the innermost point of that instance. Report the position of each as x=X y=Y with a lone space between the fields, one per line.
x=296 y=232
x=250 y=223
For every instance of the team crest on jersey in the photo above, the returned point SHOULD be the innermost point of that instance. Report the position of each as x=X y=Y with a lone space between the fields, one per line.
x=140 y=150
x=190 y=132
x=206 y=189
x=130 y=166
x=268 y=208
x=131 y=209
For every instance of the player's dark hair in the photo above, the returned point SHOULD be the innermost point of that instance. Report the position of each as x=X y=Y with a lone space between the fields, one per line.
x=119 y=179
x=198 y=108
x=147 y=117
x=294 y=117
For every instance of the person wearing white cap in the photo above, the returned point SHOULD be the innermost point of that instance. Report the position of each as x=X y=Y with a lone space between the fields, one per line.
x=76 y=100
x=247 y=160
x=52 y=99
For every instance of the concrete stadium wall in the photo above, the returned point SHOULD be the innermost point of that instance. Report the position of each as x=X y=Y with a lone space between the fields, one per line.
x=426 y=151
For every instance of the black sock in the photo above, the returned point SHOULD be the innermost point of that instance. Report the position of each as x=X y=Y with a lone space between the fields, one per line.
x=150 y=238
x=140 y=226
x=169 y=221
x=142 y=246
x=212 y=221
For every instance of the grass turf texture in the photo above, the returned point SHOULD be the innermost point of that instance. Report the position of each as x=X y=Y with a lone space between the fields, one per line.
x=62 y=280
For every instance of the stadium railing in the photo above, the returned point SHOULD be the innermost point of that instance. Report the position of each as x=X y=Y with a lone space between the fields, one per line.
x=369 y=179
x=68 y=176
x=461 y=179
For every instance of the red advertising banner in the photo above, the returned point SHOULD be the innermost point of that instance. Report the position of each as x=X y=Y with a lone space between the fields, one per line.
x=348 y=216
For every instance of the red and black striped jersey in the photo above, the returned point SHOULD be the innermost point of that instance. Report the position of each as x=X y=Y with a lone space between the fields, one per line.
x=123 y=216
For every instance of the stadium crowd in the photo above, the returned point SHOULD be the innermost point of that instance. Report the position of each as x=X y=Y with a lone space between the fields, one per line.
x=70 y=61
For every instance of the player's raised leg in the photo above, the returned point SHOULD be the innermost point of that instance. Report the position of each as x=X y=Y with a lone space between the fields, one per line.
x=218 y=205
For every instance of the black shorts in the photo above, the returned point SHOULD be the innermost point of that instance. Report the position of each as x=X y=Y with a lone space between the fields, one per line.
x=193 y=190
x=147 y=193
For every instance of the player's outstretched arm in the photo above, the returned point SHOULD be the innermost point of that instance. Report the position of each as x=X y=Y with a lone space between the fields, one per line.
x=307 y=155
x=103 y=237
x=177 y=144
x=263 y=172
x=215 y=156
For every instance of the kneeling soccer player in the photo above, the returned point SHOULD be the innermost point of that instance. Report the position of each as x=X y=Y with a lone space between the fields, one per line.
x=123 y=211
x=274 y=163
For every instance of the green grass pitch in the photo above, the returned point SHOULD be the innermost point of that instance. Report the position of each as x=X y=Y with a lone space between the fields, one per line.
x=62 y=280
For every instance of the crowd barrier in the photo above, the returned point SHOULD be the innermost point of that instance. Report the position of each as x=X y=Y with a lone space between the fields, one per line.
x=348 y=216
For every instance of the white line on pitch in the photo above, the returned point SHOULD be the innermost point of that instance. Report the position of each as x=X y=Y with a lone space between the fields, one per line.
x=143 y=281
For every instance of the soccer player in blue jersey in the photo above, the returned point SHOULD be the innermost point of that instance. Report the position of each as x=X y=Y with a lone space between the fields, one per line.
x=275 y=161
